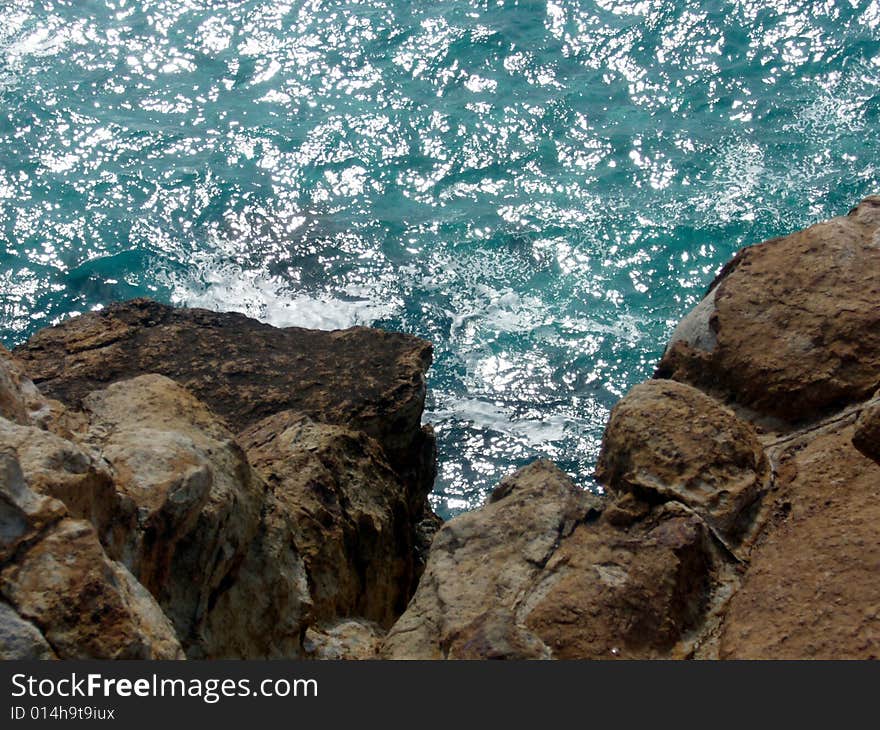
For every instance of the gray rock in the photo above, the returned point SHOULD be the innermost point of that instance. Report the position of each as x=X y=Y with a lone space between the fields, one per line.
x=20 y=639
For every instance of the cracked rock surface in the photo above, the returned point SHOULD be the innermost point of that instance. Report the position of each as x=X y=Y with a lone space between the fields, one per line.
x=546 y=570
x=482 y=565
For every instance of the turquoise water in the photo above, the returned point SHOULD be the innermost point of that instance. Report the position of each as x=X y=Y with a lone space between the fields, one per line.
x=540 y=188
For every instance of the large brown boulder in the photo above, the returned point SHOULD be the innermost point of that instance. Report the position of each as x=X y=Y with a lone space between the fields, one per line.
x=668 y=441
x=791 y=327
x=347 y=513
x=169 y=493
x=482 y=563
x=241 y=566
x=365 y=379
x=628 y=592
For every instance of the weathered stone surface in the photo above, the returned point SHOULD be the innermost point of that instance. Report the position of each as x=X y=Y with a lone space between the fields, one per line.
x=74 y=474
x=794 y=326
x=86 y=605
x=866 y=437
x=20 y=639
x=543 y=572
x=366 y=379
x=24 y=514
x=173 y=496
x=266 y=609
x=63 y=589
x=347 y=512
x=484 y=562
x=52 y=464
x=497 y=634
x=20 y=401
x=812 y=589
x=23 y=404
x=345 y=639
x=668 y=441
x=198 y=502
x=631 y=592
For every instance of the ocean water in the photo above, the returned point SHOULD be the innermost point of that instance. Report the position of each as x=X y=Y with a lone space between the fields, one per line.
x=542 y=189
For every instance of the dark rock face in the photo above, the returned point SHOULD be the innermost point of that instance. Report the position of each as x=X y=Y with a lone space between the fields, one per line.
x=265 y=606
x=791 y=328
x=368 y=380
x=347 y=512
x=866 y=437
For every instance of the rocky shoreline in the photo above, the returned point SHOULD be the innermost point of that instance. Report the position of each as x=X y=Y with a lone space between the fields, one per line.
x=179 y=483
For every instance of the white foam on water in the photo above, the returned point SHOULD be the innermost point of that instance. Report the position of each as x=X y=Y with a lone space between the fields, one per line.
x=270 y=301
x=488 y=416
